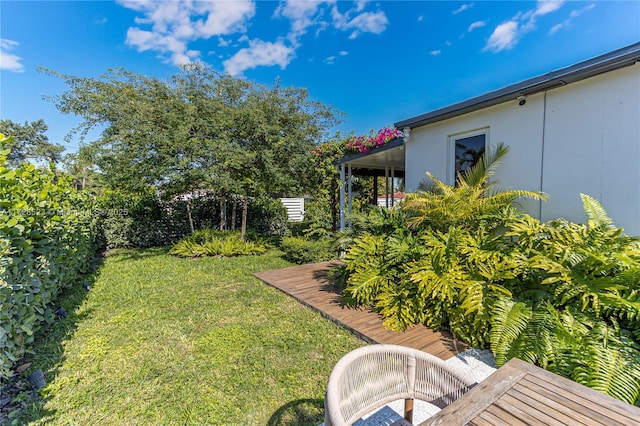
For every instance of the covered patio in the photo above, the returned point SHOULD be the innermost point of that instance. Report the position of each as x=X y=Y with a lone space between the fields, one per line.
x=387 y=160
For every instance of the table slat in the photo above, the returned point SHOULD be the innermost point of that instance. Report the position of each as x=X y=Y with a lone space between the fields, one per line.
x=519 y=393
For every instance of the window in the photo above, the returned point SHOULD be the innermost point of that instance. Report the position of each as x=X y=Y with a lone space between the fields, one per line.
x=467 y=150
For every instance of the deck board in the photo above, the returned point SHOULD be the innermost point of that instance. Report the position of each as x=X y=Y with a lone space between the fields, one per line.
x=309 y=285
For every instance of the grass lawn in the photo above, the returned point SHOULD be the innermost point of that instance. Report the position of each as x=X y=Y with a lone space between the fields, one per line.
x=162 y=340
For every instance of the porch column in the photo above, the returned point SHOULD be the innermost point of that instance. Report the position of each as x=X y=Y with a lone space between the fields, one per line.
x=393 y=190
x=350 y=194
x=342 y=197
x=375 y=190
x=386 y=186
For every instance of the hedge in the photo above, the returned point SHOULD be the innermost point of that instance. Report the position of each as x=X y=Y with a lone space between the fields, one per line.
x=144 y=220
x=46 y=242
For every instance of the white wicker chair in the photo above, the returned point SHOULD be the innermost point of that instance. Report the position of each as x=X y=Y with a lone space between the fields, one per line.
x=372 y=376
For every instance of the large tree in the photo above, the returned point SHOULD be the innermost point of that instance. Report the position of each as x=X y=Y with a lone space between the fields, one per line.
x=30 y=142
x=199 y=130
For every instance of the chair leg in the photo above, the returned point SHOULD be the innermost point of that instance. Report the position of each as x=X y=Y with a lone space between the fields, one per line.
x=408 y=410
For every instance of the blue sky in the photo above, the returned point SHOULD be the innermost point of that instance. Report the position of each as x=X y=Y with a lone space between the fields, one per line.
x=377 y=61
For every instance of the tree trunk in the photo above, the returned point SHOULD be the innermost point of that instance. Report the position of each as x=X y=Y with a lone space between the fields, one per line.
x=190 y=216
x=233 y=215
x=223 y=220
x=243 y=227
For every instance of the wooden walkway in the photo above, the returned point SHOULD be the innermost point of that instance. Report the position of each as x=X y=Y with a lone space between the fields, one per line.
x=309 y=284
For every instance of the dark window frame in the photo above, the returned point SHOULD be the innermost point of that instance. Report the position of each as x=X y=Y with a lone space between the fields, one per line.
x=474 y=144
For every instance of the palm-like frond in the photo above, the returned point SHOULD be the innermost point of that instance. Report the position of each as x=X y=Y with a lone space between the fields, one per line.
x=509 y=319
x=398 y=307
x=608 y=363
x=595 y=213
x=479 y=174
x=475 y=199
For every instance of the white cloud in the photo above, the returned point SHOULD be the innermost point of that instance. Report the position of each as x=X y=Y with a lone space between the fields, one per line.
x=365 y=22
x=420 y=18
x=477 y=24
x=369 y=22
x=322 y=14
x=555 y=29
x=504 y=37
x=9 y=61
x=572 y=15
x=331 y=59
x=259 y=53
x=577 y=12
x=168 y=27
x=302 y=14
x=463 y=8
x=435 y=52
x=360 y=4
x=173 y=24
x=545 y=7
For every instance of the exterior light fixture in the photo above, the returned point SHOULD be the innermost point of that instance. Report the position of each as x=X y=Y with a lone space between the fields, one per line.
x=406 y=134
x=521 y=100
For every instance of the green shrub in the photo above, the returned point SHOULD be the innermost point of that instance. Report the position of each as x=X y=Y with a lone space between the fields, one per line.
x=140 y=220
x=303 y=250
x=560 y=295
x=209 y=242
x=46 y=243
x=268 y=217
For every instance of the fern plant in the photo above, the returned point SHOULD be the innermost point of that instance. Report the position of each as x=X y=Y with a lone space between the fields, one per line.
x=575 y=308
x=208 y=242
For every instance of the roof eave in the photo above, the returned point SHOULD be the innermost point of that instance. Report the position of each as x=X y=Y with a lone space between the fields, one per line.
x=399 y=141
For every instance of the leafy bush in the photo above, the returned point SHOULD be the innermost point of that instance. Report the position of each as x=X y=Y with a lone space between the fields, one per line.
x=46 y=243
x=575 y=308
x=268 y=217
x=209 y=242
x=561 y=295
x=302 y=250
x=139 y=220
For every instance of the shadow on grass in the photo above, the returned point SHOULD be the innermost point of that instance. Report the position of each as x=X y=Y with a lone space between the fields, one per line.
x=118 y=255
x=48 y=346
x=298 y=413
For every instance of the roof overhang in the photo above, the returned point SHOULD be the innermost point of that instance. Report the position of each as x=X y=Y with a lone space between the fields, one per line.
x=611 y=61
x=374 y=163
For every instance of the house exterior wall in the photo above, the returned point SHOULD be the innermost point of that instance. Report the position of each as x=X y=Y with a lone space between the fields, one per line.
x=580 y=138
x=592 y=145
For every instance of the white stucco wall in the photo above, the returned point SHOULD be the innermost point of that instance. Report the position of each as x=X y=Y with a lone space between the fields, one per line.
x=592 y=145
x=583 y=137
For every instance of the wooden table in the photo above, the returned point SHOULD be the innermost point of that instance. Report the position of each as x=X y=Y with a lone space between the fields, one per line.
x=519 y=393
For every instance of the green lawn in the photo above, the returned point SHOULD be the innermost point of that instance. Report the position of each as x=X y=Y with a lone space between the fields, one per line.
x=163 y=340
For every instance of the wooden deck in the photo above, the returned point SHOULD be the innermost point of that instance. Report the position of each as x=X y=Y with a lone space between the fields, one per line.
x=309 y=285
